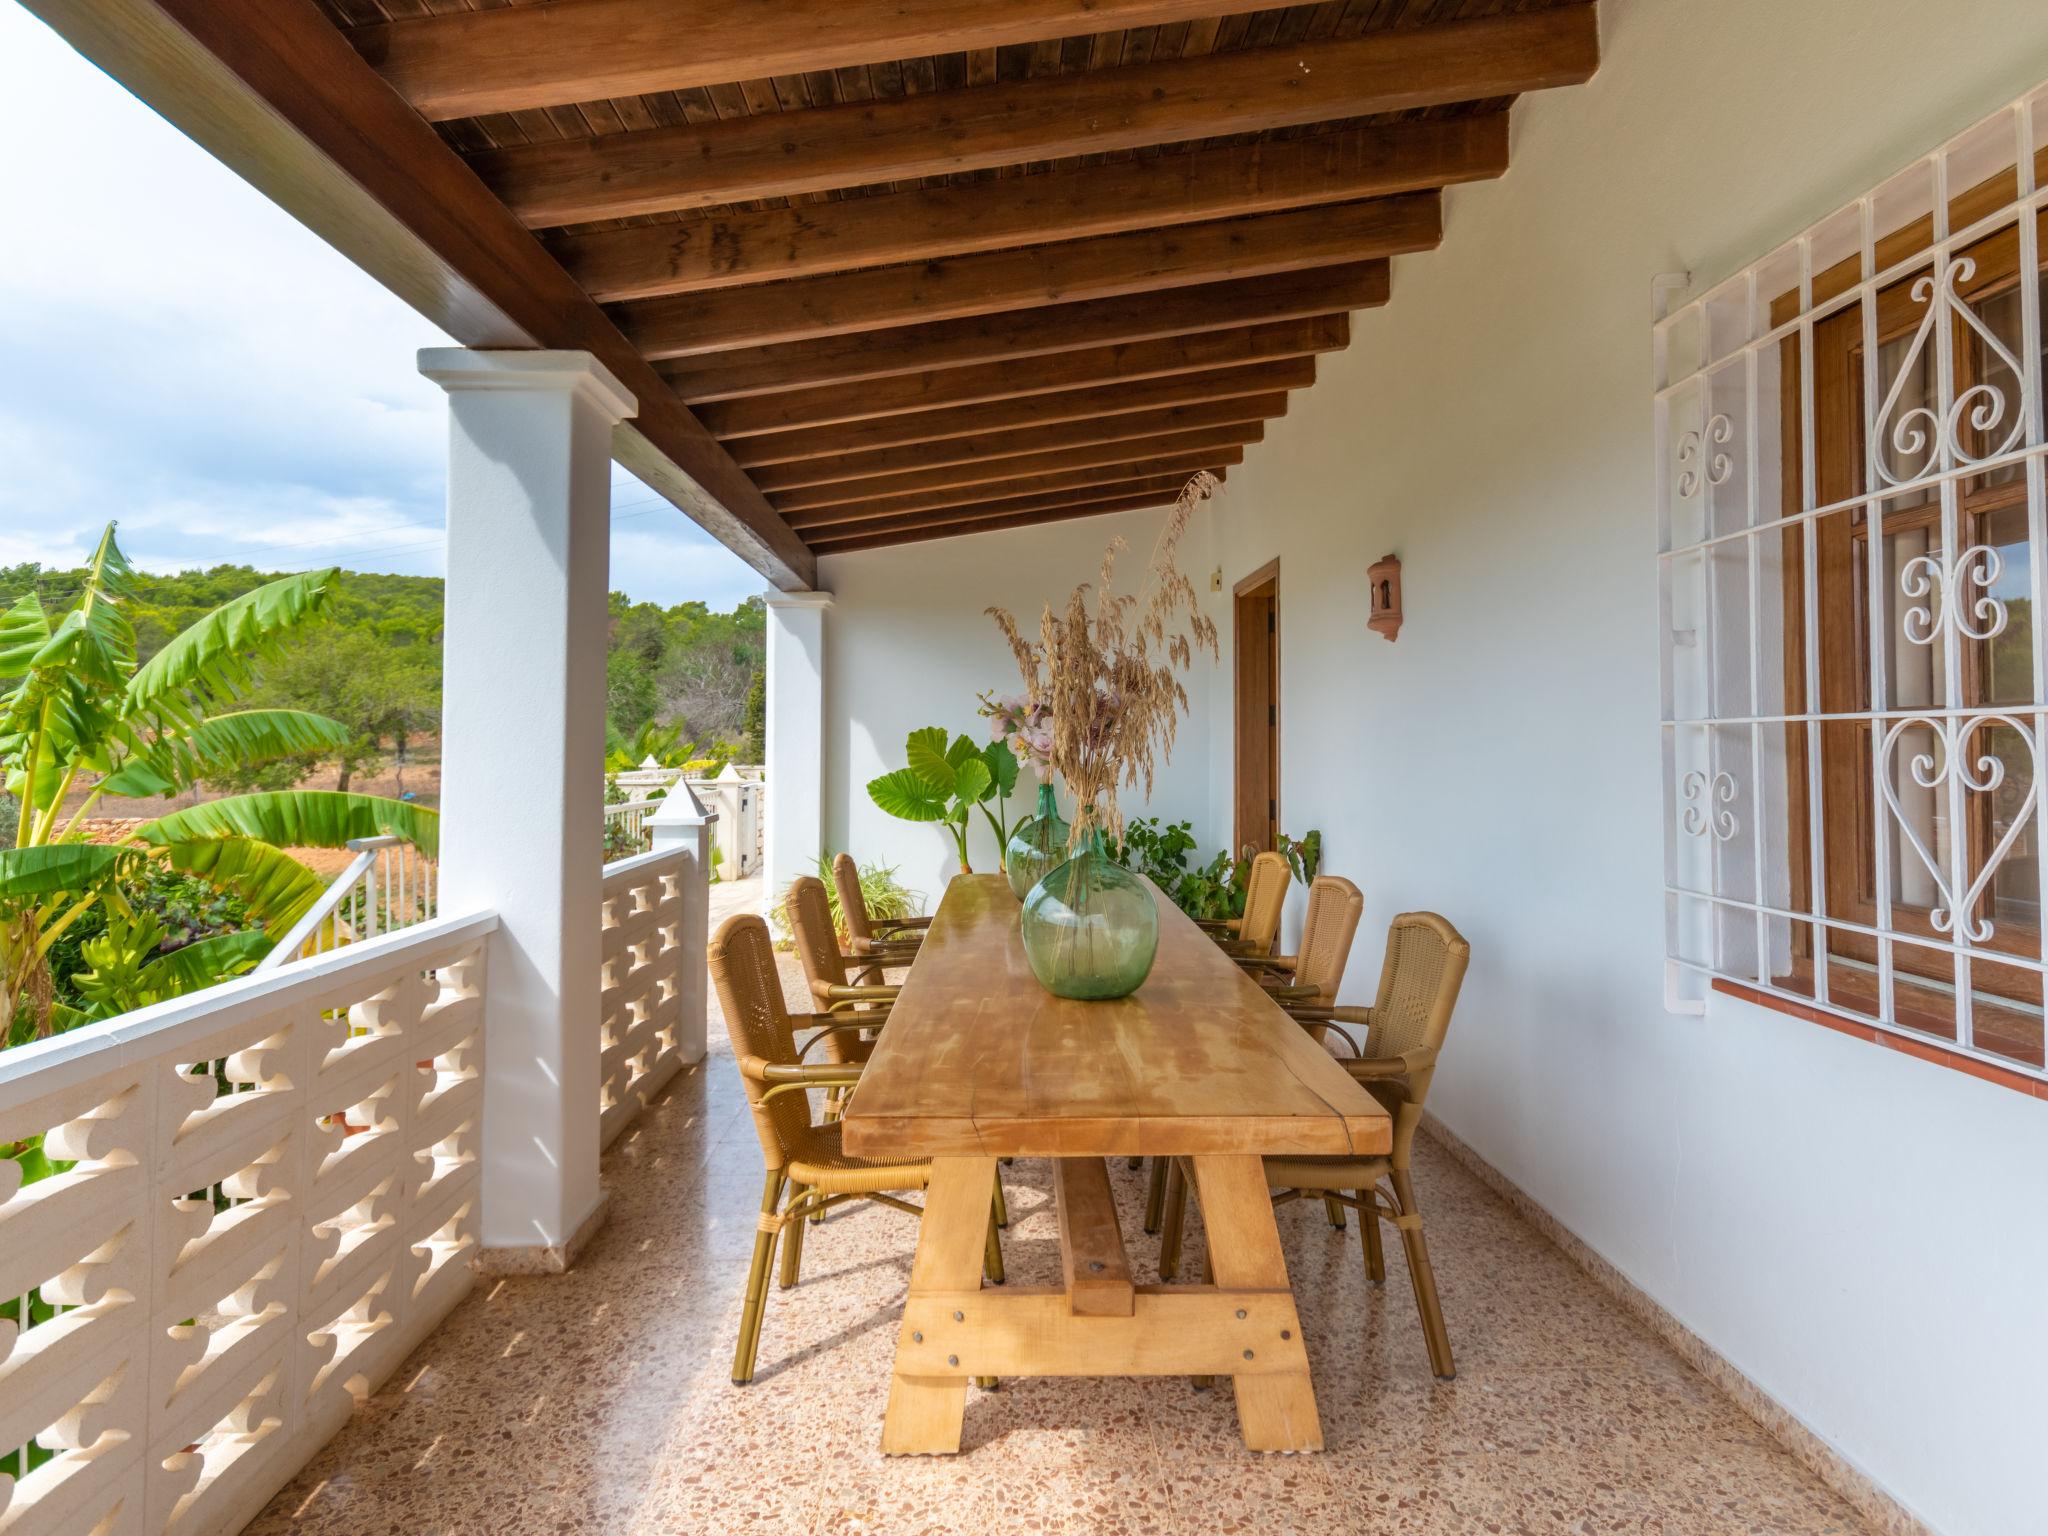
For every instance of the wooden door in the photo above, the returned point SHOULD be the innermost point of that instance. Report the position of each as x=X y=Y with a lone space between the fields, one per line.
x=1257 y=649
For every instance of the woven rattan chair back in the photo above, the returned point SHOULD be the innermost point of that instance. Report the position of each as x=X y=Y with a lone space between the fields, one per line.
x=1265 y=897
x=853 y=905
x=1334 y=907
x=742 y=961
x=809 y=911
x=1419 y=982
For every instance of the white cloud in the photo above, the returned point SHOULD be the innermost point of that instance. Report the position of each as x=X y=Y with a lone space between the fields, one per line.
x=180 y=355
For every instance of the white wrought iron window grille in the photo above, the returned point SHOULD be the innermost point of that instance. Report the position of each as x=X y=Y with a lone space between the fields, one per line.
x=1853 y=479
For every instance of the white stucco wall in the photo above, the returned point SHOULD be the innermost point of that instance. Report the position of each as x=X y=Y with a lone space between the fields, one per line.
x=907 y=644
x=1864 y=1235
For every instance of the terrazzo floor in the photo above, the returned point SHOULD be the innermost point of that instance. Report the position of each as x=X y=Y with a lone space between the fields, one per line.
x=600 y=1400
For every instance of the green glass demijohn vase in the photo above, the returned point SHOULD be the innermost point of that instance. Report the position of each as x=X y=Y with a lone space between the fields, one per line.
x=1090 y=928
x=1039 y=842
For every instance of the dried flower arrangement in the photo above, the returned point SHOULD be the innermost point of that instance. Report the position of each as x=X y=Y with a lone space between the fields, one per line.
x=1104 y=673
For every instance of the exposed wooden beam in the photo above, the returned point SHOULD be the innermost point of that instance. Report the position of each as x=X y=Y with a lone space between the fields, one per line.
x=468 y=63
x=879 y=508
x=1142 y=261
x=1031 y=332
x=1038 y=410
x=1007 y=381
x=271 y=88
x=1192 y=446
x=779 y=154
x=644 y=260
x=834 y=469
x=1136 y=502
x=1167 y=484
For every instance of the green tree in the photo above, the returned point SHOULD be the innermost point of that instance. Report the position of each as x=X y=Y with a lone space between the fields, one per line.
x=755 y=717
x=374 y=689
x=80 y=711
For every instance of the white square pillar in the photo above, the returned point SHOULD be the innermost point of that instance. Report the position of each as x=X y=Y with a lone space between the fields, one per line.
x=796 y=737
x=522 y=773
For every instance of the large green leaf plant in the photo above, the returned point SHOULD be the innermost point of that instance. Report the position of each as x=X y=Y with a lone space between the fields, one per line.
x=947 y=782
x=82 y=722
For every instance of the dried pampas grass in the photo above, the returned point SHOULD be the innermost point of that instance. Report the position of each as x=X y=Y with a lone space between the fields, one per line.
x=1106 y=670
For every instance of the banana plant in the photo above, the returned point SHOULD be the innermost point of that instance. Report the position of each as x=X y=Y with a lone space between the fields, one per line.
x=77 y=713
x=947 y=783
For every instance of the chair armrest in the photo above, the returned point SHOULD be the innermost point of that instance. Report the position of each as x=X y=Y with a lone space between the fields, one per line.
x=1218 y=924
x=1291 y=994
x=891 y=925
x=826 y=1074
x=832 y=993
x=1377 y=1069
x=828 y=1025
x=858 y=950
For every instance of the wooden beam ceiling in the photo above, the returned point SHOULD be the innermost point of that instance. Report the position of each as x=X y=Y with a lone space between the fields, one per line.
x=758 y=245
x=783 y=154
x=1162 y=485
x=917 y=533
x=877 y=270
x=1142 y=261
x=468 y=63
x=831 y=469
x=1017 y=335
x=982 y=471
x=1150 y=466
x=943 y=387
x=1035 y=410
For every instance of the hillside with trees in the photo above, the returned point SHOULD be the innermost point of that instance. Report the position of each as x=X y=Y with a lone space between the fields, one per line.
x=372 y=661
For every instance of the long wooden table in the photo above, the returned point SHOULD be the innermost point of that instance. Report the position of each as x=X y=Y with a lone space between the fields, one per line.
x=978 y=1062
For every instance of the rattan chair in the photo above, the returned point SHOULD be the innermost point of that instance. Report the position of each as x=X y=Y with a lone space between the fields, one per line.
x=1306 y=980
x=826 y=966
x=1265 y=898
x=803 y=1158
x=894 y=941
x=1393 y=1047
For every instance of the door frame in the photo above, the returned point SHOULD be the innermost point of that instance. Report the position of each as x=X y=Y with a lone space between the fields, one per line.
x=1255 y=665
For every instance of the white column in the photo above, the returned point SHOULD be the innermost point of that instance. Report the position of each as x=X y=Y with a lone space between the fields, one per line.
x=522 y=774
x=681 y=821
x=796 y=735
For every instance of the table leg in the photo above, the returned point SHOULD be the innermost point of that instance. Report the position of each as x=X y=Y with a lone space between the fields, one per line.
x=925 y=1411
x=1276 y=1410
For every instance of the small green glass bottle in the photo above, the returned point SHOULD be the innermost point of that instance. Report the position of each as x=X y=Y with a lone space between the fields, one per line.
x=1038 y=843
x=1090 y=927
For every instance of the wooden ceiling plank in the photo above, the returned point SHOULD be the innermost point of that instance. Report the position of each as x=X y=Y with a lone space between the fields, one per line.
x=1188 y=445
x=1031 y=333
x=271 y=88
x=1080 y=202
x=1132 y=501
x=1006 y=381
x=467 y=63
x=1169 y=480
x=1037 y=410
x=1142 y=261
x=1085 y=476
x=833 y=470
x=705 y=164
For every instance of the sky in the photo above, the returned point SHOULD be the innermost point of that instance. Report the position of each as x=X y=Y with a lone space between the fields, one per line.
x=180 y=355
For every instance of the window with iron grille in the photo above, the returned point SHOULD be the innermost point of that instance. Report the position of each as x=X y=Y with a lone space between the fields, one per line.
x=1851 y=512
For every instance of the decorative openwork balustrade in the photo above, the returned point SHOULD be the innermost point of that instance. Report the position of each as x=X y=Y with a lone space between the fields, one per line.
x=641 y=1006
x=252 y=1204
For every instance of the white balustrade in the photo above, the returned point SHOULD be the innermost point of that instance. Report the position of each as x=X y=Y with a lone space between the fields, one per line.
x=641 y=1008
x=269 y=1194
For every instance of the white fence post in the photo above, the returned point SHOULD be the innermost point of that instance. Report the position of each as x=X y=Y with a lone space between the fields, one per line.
x=681 y=822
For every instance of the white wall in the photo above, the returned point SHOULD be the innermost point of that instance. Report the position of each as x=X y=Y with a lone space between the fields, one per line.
x=1866 y=1236
x=907 y=644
